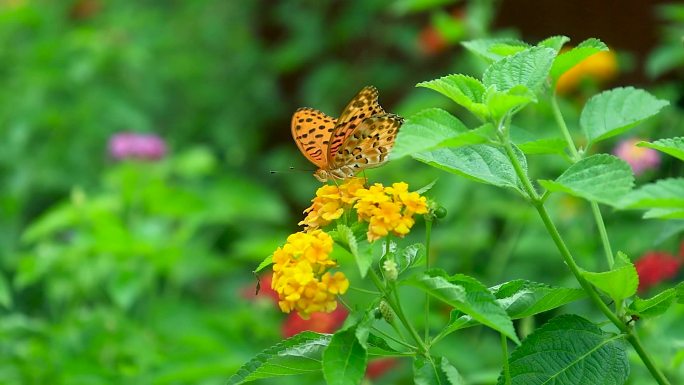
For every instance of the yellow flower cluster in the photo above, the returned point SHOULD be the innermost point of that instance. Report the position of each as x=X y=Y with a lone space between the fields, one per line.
x=386 y=209
x=389 y=209
x=300 y=275
x=330 y=203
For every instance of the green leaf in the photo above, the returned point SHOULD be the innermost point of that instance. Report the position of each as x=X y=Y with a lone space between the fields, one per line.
x=663 y=194
x=437 y=371
x=520 y=299
x=670 y=146
x=615 y=111
x=466 y=91
x=654 y=306
x=438 y=286
x=495 y=49
x=523 y=298
x=535 y=143
x=483 y=307
x=482 y=163
x=554 y=42
x=679 y=289
x=620 y=282
x=528 y=68
x=569 y=350
x=467 y=295
x=363 y=258
x=571 y=58
x=602 y=178
x=410 y=256
x=264 y=264
x=296 y=355
x=345 y=359
x=430 y=129
x=379 y=347
x=500 y=103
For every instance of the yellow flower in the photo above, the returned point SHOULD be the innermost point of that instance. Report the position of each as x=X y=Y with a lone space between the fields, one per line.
x=389 y=209
x=600 y=67
x=330 y=203
x=301 y=277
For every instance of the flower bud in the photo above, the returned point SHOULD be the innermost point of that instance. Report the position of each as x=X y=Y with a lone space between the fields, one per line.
x=390 y=268
x=386 y=312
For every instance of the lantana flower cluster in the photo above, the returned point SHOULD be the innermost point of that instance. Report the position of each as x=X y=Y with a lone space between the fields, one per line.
x=385 y=209
x=301 y=277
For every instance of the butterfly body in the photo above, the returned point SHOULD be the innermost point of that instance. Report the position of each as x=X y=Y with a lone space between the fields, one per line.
x=360 y=138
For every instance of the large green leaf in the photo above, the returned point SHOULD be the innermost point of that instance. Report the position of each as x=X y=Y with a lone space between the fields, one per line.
x=437 y=371
x=620 y=282
x=528 y=68
x=5 y=292
x=670 y=146
x=523 y=298
x=433 y=128
x=569 y=350
x=495 y=49
x=571 y=58
x=482 y=163
x=520 y=299
x=654 y=306
x=602 y=178
x=465 y=90
x=615 y=111
x=296 y=355
x=345 y=359
x=663 y=197
x=679 y=290
x=410 y=256
x=467 y=295
x=501 y=103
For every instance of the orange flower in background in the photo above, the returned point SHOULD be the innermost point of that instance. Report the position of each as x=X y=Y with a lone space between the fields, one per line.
x=318 y=322
x=301 y=277
x=600 y=67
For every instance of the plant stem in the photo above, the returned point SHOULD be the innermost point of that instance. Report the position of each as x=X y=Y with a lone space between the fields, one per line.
x=400 y=342
x=575 y=157
x=570 y=261
x=396 y=307
x=428 y=231
x=633 y=339
x=504 y=351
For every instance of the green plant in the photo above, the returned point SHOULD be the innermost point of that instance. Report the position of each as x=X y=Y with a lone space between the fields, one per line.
x=568 y=349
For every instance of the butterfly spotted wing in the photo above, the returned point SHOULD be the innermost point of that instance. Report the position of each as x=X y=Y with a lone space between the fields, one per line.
x=362 y=106
x=369 y=144
x=311 y=130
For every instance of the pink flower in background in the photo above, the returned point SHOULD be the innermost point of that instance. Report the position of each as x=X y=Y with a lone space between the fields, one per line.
x=655 y=267
x=131 y=145
x=640 y=158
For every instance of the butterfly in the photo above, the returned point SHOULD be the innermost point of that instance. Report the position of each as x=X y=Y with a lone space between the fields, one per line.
x=360 y=138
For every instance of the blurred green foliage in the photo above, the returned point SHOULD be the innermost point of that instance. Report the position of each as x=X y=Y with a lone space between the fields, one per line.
x=136 y=272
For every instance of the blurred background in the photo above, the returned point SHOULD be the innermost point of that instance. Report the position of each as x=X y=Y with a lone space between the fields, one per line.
x=136 y=198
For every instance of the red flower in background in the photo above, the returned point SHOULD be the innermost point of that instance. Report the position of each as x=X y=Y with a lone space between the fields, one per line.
x=655 y=267
x=380 y=366
x=317 y=322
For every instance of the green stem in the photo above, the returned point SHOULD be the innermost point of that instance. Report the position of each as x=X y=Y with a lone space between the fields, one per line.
x=400 y=342
x=396 y=307
x=575 y=157
x=633 y=339
x=428 y=231
x=504 y=351
x=570 y=261
x=598 y=218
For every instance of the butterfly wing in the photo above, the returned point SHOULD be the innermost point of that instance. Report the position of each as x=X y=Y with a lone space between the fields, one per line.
x=369 y=143
x=311 y=130
x=363 y=105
